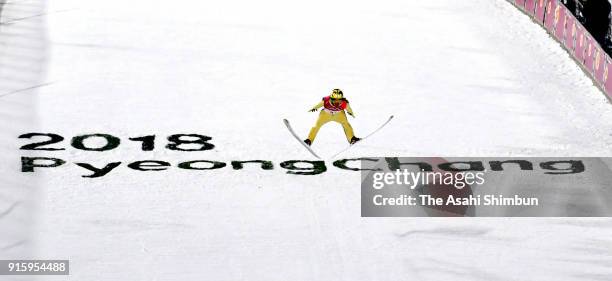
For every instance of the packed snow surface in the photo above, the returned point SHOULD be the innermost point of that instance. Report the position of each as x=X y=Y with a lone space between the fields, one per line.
x=463 y=78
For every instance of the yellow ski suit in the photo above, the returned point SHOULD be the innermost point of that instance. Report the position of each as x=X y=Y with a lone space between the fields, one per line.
x=327 y=115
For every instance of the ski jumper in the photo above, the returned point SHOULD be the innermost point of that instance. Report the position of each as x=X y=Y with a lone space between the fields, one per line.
x=334 y=113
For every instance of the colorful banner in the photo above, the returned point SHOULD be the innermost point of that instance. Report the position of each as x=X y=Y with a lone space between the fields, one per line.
x=598 y=63
x=530 y=7
x=540 y=10
x=589 y=53
x=580 y=48
x=607 y=83
x=559 y=20
x=549 y=19
x=564 y=26
x=570 y=31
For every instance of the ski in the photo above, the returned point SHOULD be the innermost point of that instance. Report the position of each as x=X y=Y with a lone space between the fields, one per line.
x=298 y=138
x=364 y=138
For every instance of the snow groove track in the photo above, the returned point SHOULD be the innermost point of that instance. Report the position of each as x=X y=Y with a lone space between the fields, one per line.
x=22 y=59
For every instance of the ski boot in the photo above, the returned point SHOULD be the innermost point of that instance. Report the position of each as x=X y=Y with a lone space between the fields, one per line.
x=308 y=142
x=354 y=139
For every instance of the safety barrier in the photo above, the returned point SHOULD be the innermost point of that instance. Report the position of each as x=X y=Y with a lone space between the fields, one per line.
x=567 y=30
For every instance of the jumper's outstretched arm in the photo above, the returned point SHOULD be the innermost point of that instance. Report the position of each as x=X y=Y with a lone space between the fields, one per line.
x=349 y=110
x=317 y=106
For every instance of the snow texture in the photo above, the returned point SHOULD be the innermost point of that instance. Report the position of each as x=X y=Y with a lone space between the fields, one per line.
x=463 y=78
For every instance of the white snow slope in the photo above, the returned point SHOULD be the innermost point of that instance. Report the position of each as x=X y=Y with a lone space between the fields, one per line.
x=463 y=78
